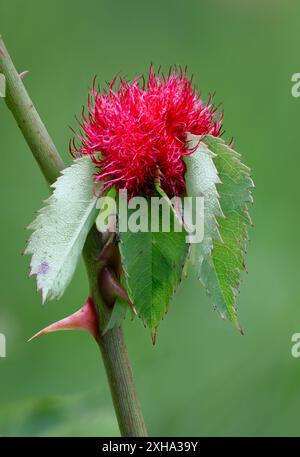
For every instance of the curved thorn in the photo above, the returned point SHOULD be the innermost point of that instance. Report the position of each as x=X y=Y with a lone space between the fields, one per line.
x=84 y=319
x=23 y=73
x=111 y=288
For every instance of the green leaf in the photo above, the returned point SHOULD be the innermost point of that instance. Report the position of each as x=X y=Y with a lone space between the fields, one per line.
x=117 y=316
x=61 y=228
x=119 y=310
x=171 y=205
x=201 y=178
x=220 y=272
x=153 y=264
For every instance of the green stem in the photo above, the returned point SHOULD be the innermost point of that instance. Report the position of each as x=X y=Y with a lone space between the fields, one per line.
x=28 y=119
x=112 y=344
x=114 y=352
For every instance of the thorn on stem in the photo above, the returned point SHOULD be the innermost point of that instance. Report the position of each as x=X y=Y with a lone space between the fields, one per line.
x=111 y=288
x=23 y=73
x=84 y=319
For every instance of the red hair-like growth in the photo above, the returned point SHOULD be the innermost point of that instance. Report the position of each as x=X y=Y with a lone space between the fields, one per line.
x=135 y=130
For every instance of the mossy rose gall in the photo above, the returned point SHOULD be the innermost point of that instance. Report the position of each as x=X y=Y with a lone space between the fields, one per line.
x=141 y=127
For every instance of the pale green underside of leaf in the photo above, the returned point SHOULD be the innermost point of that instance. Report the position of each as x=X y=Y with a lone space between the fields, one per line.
x=220 y=273
x=201 y=178
x=153 y=264
x=61 y=227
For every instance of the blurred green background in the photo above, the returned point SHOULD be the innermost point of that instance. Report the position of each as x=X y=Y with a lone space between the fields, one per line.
x=202 y=377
